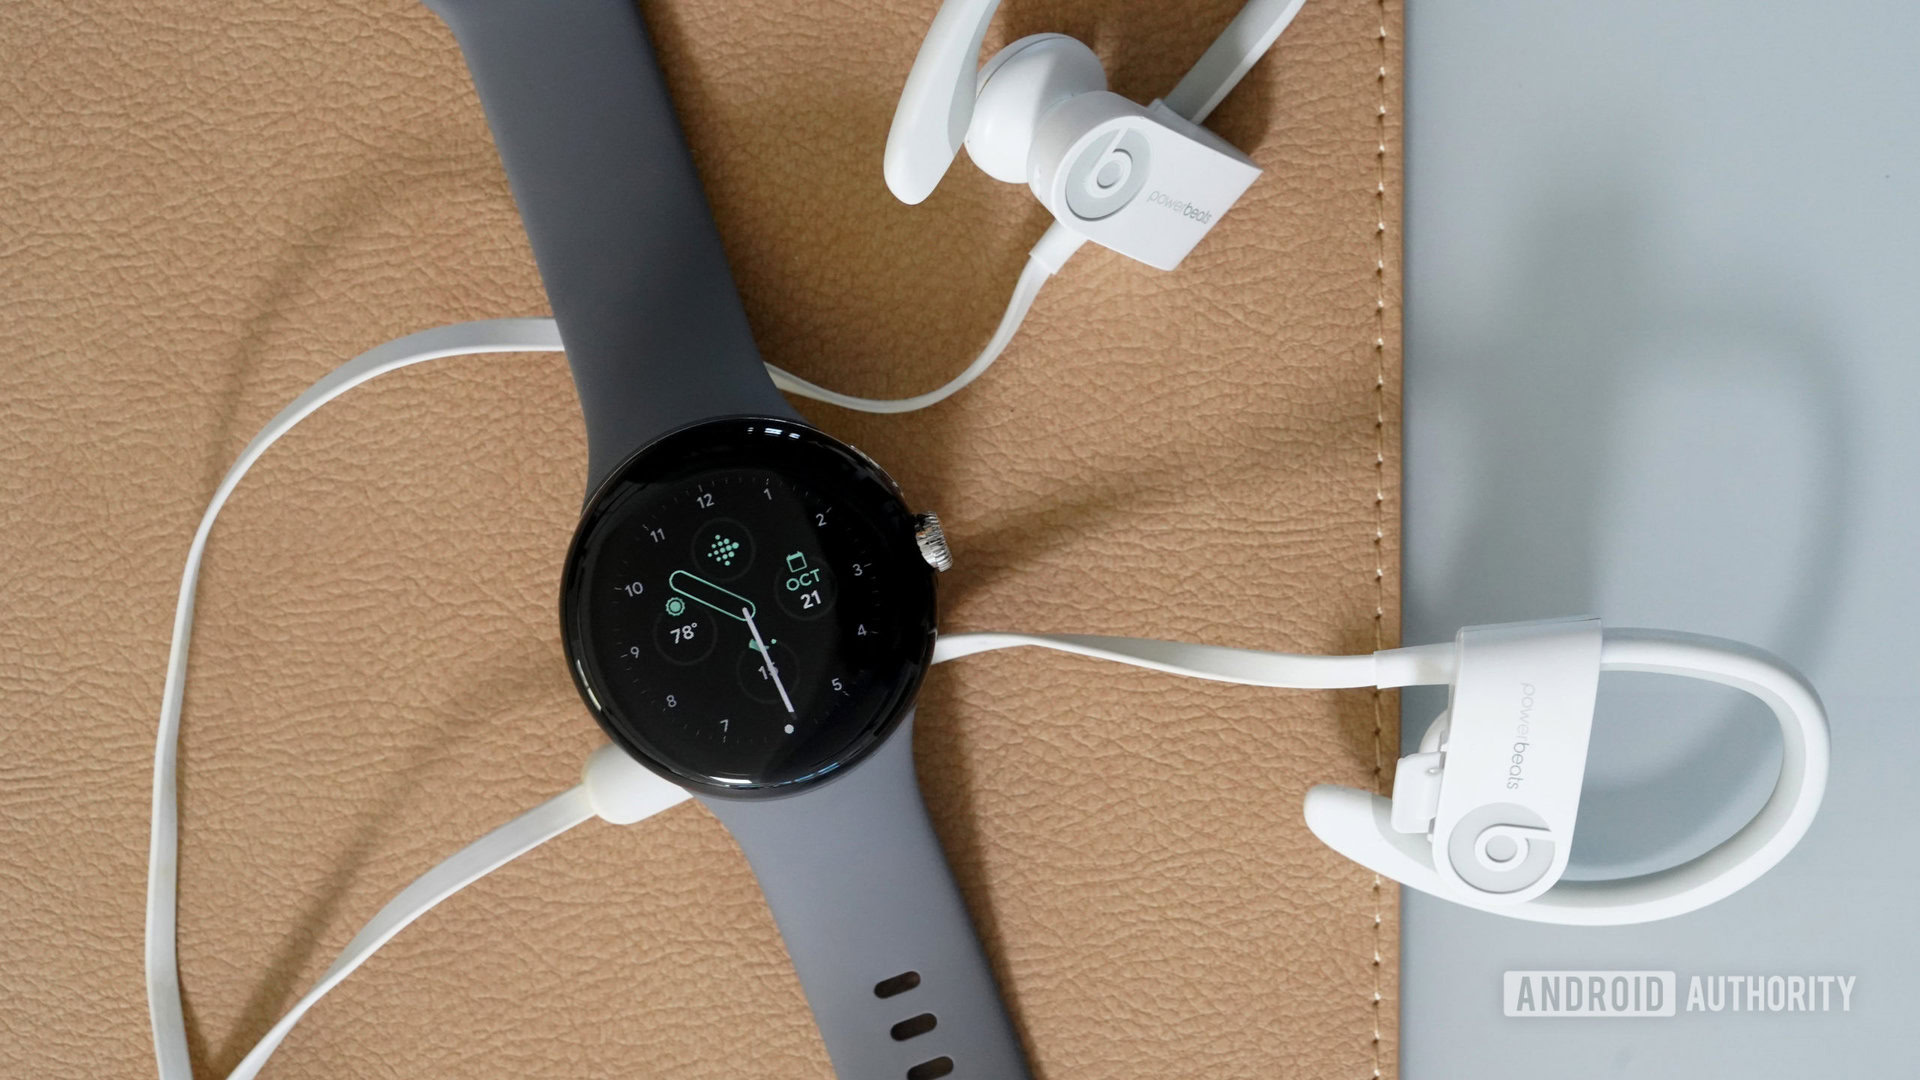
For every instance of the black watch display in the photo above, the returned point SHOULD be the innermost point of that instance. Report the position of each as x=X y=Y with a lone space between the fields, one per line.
x=745 y=608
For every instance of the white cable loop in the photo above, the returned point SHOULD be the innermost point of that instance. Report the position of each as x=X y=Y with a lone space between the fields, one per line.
x=620 y=790
x=163 y=849
x=561 y=813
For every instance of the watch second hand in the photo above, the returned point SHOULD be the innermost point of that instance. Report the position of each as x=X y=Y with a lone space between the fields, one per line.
x=768 y=657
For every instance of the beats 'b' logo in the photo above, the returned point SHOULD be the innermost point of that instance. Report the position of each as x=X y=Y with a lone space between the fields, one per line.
x=1107 y=174
x=1502 y=848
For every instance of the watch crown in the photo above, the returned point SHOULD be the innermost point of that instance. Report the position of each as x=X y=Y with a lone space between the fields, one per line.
x=932 y=540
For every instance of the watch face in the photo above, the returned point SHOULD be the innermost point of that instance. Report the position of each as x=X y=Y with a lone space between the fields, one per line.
x=745 y=608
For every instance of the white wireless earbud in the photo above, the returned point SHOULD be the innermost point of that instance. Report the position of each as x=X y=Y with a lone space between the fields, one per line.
x=1483 y=813
x=1147 y=182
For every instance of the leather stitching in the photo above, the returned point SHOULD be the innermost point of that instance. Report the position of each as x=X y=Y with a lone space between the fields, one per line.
x=1379 y=492
x=214 y=209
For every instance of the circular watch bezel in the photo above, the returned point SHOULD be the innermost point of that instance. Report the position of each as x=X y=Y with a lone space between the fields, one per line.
x=838 y=471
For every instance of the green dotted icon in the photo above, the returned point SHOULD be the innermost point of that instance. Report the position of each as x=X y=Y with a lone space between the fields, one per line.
x=723 y=549
x=676 y=606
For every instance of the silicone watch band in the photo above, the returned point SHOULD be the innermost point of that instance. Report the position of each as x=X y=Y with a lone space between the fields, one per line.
x=647 y=308
x=657 y=339
x=876 y=926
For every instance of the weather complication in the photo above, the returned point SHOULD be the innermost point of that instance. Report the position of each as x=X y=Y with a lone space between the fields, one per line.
x=745 y=606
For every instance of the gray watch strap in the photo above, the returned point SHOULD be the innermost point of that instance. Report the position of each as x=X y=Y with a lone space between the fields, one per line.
x=876 y=926
x=625 y=242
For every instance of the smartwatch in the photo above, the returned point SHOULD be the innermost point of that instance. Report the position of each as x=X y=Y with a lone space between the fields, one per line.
x=748 y=605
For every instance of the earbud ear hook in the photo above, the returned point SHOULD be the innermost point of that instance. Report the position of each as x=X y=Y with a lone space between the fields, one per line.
x=936 y=105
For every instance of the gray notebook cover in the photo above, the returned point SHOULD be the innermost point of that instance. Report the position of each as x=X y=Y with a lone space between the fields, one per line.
x=1662 y=365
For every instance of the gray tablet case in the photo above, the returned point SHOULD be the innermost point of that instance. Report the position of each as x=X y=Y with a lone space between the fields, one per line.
x=1663 y=265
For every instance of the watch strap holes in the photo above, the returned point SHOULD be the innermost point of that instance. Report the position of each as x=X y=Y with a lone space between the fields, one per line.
x=899 y=984
x=931 y=1070
x=913 y=1026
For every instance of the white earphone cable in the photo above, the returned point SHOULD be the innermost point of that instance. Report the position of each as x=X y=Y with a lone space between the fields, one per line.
x=1248 y=667
x=163 y=850
x=564 y=811
x=469 y=864
x=1044 y=260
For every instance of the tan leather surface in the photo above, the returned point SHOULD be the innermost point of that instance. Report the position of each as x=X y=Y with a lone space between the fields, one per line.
x=205 y=207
